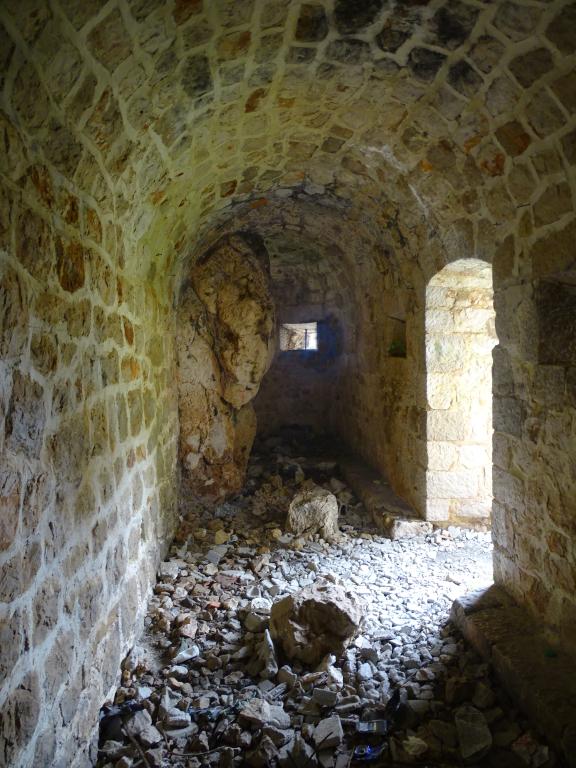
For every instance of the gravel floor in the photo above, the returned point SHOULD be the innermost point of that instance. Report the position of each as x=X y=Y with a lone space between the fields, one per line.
x=207 y=687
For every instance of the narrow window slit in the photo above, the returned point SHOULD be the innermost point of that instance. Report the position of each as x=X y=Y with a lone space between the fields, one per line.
x=298 y=336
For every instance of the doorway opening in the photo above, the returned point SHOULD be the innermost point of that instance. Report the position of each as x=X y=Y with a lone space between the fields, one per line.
x=460 y=335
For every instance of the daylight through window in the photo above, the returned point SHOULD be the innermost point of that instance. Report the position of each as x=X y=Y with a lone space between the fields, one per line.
x=295 y=336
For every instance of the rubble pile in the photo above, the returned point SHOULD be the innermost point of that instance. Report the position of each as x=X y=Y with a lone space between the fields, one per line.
x=265 y=647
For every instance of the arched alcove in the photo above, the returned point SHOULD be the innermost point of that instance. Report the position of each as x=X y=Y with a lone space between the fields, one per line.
x=459 y=338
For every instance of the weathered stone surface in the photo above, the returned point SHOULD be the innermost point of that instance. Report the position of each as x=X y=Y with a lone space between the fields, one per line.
x=315 y=622
x=329 y=733
x=19 y=717
x=497 y=627
x=314 y=510
x=312 y=24
x=109 y=41
x=351 y=16
x=176 y=124
x=26 y=417
x=225 y=349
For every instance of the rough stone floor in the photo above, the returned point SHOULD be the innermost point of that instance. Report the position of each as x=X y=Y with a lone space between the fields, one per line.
x=205 y=688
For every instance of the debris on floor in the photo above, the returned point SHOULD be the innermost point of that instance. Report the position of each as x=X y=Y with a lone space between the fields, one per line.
x=266 y=646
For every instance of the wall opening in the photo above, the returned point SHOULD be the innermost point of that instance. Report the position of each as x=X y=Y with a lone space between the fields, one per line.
x=299 y=336
x=460 y=336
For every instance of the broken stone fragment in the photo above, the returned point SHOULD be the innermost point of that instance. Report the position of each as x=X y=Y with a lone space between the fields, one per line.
x=314 y=510
x=140 y=726
x=474 y=735
x=113 y=750
x=261 y=605
x=314 y=622
x=221 y=537
x=365 y=672
x=267 y=655
x=285 y=675
x=154 y=757
x=278 y=736
x=324 y=697
x=186 y=653
x=328 y=733
x=263 y=755
x=176 y=718
x=169 y=570
x=259 y=712
x=254 y=622
x=297 y=754
x=414 y=746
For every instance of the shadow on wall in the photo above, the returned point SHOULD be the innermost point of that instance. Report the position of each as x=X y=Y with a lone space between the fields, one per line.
x=300 y=387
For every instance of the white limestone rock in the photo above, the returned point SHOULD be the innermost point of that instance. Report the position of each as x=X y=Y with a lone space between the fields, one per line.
x=328 y=733
x=314 y=622
x=314 y=510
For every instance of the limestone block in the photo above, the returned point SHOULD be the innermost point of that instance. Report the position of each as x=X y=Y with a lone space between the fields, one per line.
x=26 y=416
x=437 y=320
x=14 y=312
x=19 y=717
x=446 y=426
x=508 y=489
x=314 y=510
x=446 y=353
x=474 y=456
x=442 y=456
x=452 y=485
x=471 y=512
x=314 y=622
x=437 y=510
x=10 y=487
x=441 y=390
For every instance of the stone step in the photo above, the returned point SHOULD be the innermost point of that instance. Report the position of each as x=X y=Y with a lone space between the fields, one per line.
x=392 y=515
x=539 y=675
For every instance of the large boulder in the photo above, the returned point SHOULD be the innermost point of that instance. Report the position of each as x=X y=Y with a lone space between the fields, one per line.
x=314 y=510
x=314 y=622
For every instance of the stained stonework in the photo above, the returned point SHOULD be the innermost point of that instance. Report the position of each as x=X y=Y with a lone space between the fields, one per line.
x=225 y=345
x=391 y=140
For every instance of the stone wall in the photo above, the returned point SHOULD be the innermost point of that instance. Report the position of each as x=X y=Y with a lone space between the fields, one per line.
x=88 y=424
x=88 y=457
x=307 y=285
x=368 y=394
x=134 y=133
x=460 y=336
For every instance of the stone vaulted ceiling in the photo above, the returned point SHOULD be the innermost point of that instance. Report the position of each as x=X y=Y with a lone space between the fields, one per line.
x=435 y=121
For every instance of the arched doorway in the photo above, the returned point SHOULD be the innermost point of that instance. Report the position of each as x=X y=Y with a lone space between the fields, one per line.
x=460 y=335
